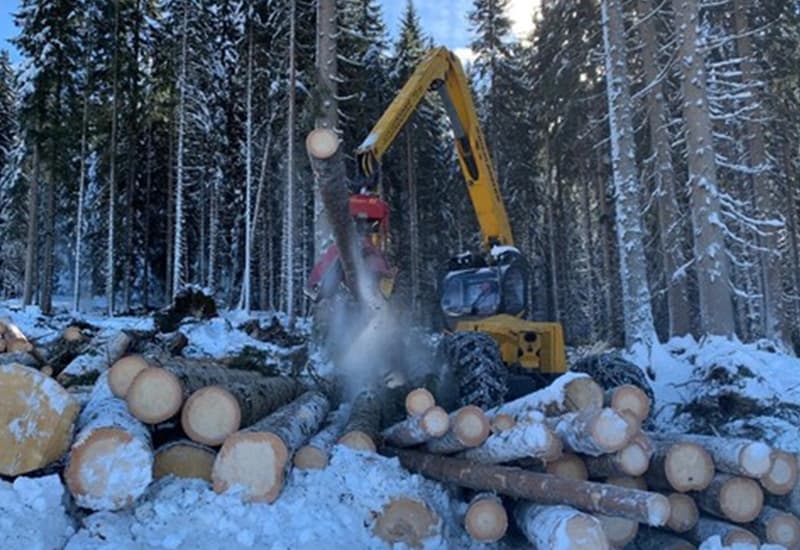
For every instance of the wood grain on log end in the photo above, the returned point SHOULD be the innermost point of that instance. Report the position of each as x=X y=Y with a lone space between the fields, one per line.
x=583 y=393
x=253 y=460
x=503 y=422
x=155 y=395
x=471 y=425
x=184 y=459
x=486 y=519
x=358 y=441
x=310 y=458
x=741 y=499
x=210 y=415
x=630 y=398
x=322 y=143
x=740 y=536
x=784 y=529
x=418 y=401
x=782 y=475
x=683 y=513
x=568 y=466
x=406 y=521
x=633 y=459
x=619 y=531
x=688 y=467
x=755 y=459
x=123 y=372
x=435 y=421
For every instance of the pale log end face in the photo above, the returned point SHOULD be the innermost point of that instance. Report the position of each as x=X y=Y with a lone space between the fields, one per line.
x=185 y=461
x=122 y=373
x=322 y=143
x=486 y=520
x=581 y=532
x=688 y=467
x=407 y=521
x=782 y=475
x=658 y=510
x=611 y=430
x=358 y=441
x=155 y=395
x=740 y=536
x=741 y=499
x=310 y=458
x=503 y=422
x=210 y=415
x=631 y=398
x=418 y=401
x=683 y=513
x=253 y=461
x=568 y=466
x=471 y=426
x=583 y=393
x=634 y=460
x=756 y=459
x=619 y=531
x=436 y=421
x=784 y=529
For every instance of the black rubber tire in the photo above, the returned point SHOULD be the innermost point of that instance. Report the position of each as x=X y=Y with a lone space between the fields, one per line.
x=611 y=370
x=472 y=363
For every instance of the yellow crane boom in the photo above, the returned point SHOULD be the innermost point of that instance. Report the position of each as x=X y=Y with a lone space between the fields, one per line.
x=441 y=71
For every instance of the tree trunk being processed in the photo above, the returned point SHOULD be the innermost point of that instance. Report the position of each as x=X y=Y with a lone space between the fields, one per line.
x=683 y=514
x=559 y=528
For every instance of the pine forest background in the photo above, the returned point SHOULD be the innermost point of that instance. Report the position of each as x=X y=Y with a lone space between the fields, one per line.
x=648 y=152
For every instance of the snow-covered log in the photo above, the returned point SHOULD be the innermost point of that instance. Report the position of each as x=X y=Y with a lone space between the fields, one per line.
x=469 y=428
x=777 y=527
x=362 y=428
x=256 y=458
x=37 y=417
x=782 y=475
x=316 y=454
x=486 y=519
x=102 y=352
x=789 y=502
x=123 y=371
x=740 y=457
x=593 y=431
x=418 y=401
x=641 y=506
x=418 y=429
x=406 y=521
x=737 y=499
x=111 y=460
x=679 y=467
x=730 y=534
x=629 y=398
x=214 y=412
x=621 y=531
x=568 y=393
x=184 y=458
x=13 y=338
x=559 y=528
x=22 y=358
x=683 y=514
x=631 y=460
x=532 y=439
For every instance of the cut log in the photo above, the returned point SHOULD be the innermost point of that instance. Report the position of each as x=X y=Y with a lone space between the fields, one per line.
x=641 y=506
x=256 y=458
x=418 y=401
x=36 y=420
x=362 y=428
x=213 y=413
x=486 y=519
x=568 y=393
x=15 y=339
x=526 y=440
x=502 y=422
x=730 y=534
x=406 y=521
x=778 y=527
x=416 y=430
x=683 y=512
x=568 y=466
x=593 y=431
x=19 y=358
x=679 y=467
x=782 y=475
x=629 y=398
x=632 y=460
x=737 y=499
x=111 y=460
x=185 y=459
x=469 y=428
x=102 y=352
x=653 y=539
x=621 y=531
x=559 y=528
x=316 y=454
x=740 y=457
x=73 y=334
x=123 y=371
x=788 y=503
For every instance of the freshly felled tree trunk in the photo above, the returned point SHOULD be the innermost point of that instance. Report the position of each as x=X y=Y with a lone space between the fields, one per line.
x=629 y=398
x=631 y=460
x=406 y=521
x=652 y=539
x=418 y=401
x=469 y=428
x=104 y=349
x=36 y=420
x=730 y=534
x=534 y=440
x=680 y=467
x=737 y=499
x=416 y=430
x=184 y=458
x=486 y=519
x=782 y=475
x=559 y=527
x=316 y=453
x=256 y=458
x=741 y=457
x=568 y=393
x=683 y=514
x=111 y=460
x=362 y=428
x=777 y=527
x=122 y=373
x=641 y=506
x=593 y=431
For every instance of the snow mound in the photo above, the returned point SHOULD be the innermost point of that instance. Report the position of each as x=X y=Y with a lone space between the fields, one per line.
x=715 y=543
x=331 y=508
x=32 y=514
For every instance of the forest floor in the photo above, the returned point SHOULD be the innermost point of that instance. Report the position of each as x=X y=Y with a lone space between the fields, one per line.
x=711 y=386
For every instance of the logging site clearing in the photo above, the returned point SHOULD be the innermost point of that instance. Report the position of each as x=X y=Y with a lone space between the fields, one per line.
x=248 y=449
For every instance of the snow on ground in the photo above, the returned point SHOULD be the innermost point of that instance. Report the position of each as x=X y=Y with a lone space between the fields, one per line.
x=715 y=543
x=32 y=514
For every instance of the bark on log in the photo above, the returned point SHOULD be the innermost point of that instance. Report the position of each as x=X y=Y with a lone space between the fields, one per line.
x=256 y=458
x=593 y=431
x=416 y=430
x=486 y=519
x=406 y=521
x=14 y=338
x=316 y=454
x=526 y=440
x=632 y=460
x=737 y=499
x=679 y=467
x=568 y=393
x=559 y=528
x=782 y=475
x=788 y=503
x=469 y=428
x=418 y=401
x=629 y=398
x=185 y=459
x=104 y=349
x=36 y=420
x=629 y=482
x=111 y=460
x=683 y=513
x=362 y=428
x=568 y=466
x=653 y=539
x=730 y=534
x=777 y=527
x=62 y=351
x=122 y=373
x=641 y=506
x=741 y=457
x=19 y=358
x=213 y=413
x=621 y=531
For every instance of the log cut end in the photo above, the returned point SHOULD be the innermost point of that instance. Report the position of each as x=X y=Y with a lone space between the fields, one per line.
x=619 y=531
x=184 y=459
x=688 y=467
x=486 y=519
x=406 y=521
x=502 y=423
x=471 y=425
x=568 y=466
x=310 y=458
x=610 y=430
x=741 y=499
x=583 y=393
x=109 y=469
x=740 y=536
x=683 y=513
x=155 y=395
x=122 y=373
x=210 y=415
x=435 y=422
x=633 y=459
x=322 y=143
x=782 y=475
x=73 y=334
x=358 y=441
x=755 y=459
x=581 y=532
x=253 y=462
x=418 y=401
x=657 y=510
x=783 y=529
x=631 y=398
